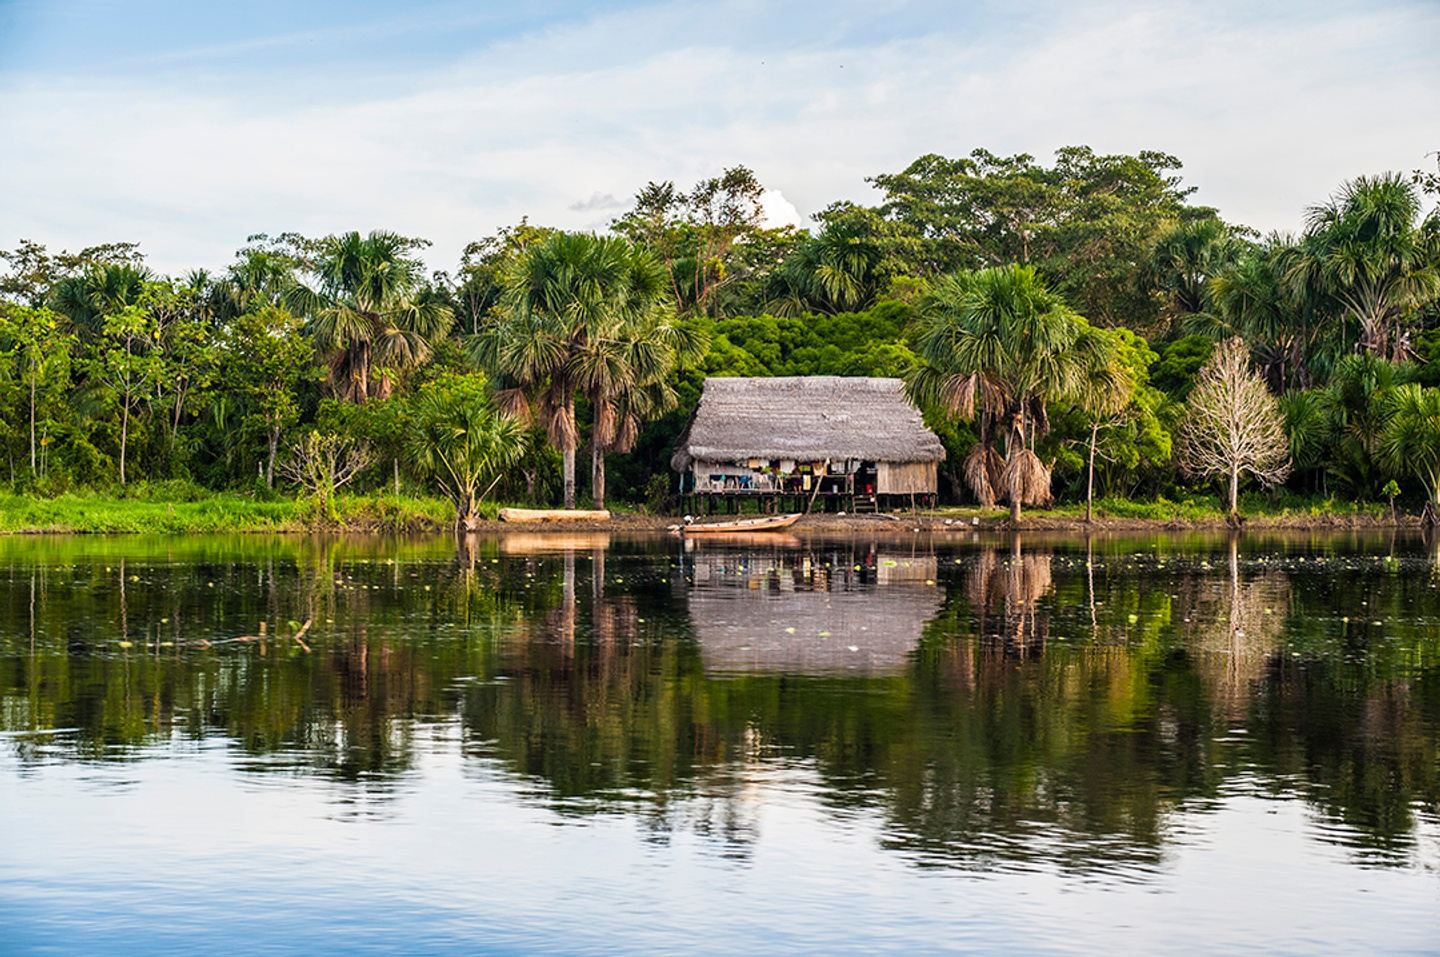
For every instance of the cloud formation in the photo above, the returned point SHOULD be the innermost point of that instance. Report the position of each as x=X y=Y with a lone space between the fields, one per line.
x=564 y=121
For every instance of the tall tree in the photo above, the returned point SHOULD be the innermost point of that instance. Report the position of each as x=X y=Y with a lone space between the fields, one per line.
x=1104 y=392
x=1232 y=426
x=368 y=311
x=32 y=338
x=628 y=378
x=698 y=234
x=1088 y=222
x=126 y=365
x=1368 y=251
x=573 y=308
x=268 y=360
x=997 y=346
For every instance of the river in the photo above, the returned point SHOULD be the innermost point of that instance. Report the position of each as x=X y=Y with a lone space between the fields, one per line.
x=586 y=744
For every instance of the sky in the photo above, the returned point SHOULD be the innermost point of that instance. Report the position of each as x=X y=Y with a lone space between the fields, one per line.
x=188 y=127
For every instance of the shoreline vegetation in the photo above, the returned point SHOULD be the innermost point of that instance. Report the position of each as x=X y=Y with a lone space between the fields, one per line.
x=1075 y=331
x=382 y=514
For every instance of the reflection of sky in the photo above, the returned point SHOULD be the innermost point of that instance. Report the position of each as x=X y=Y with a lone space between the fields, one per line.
x=177 y=855
x=800 y=829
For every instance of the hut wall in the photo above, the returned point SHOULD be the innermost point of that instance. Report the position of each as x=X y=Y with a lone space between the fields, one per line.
x=905 y=478
x=745 y=479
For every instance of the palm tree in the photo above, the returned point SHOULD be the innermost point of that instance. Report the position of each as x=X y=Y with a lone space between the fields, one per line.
x=368 y=310
x=1366 y=250
x=591 y=315
x=99 y=291
x=996 y=346
x=460 y=441
x=628 y=380
x=1410 y=441
x=837 y=269
x=1187 y=259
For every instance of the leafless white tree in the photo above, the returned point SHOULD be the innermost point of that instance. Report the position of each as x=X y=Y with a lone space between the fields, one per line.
x=322 y=463
x=1232 y=424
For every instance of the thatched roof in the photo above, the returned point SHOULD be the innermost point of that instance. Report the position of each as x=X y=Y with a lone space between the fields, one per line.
x=807 y=418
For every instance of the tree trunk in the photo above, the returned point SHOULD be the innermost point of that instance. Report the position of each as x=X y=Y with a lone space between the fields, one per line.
x=1090 y=475
x=467 y=514
x=1013 y=447
x=597 y=475
x=32 y=416
x=360 y=374
x=1234 y=491
x=568 y=457
x=270 y=460
x=124 y=434
x=567 y=469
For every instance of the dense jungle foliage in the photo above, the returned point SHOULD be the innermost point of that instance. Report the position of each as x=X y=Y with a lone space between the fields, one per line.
x=1058 y=313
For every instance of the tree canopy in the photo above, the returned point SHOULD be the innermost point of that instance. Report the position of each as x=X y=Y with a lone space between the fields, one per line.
x=1053 y=318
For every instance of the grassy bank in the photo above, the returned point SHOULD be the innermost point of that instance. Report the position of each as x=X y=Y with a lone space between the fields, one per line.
x=172 y=511
x=218 y=512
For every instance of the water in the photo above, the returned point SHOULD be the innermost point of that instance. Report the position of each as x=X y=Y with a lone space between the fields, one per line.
x=587 y=745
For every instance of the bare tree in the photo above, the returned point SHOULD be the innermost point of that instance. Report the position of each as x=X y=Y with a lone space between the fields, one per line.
x=1232 y=424
x=322 y=463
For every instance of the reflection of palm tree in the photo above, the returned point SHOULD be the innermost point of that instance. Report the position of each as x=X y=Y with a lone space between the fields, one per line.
x=1011 y=590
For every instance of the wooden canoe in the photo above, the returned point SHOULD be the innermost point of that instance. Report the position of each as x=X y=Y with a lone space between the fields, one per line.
x=766 y=523
x=771 y=539
x=534 y=515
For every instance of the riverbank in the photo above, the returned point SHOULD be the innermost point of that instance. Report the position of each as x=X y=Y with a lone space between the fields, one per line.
x=218 y=512
x=230 y=512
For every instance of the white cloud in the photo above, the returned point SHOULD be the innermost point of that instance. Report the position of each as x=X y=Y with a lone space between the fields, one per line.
x=1268 y=117
x=777 y=211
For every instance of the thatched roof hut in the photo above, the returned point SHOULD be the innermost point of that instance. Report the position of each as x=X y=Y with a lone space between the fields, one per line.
x=808 y=419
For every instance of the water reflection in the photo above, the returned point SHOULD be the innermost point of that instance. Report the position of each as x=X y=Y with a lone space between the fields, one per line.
x=830 y=609
x=991 y=704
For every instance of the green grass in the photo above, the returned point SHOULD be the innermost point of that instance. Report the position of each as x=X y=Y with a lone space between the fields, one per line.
x=218 y=512
x=179 y=508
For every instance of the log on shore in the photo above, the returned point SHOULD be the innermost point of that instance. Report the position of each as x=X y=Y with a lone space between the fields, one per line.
x=554 y=515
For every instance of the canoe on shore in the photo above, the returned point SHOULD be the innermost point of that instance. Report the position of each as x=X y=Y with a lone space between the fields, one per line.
x=766 y=523
x=770 y=539
x=533 y=515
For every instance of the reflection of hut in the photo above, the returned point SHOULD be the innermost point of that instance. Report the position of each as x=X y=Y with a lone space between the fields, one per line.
x=794 y=612
x=772 y=440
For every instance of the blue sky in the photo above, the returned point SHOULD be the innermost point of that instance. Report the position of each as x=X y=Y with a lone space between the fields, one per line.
x=188 y=126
